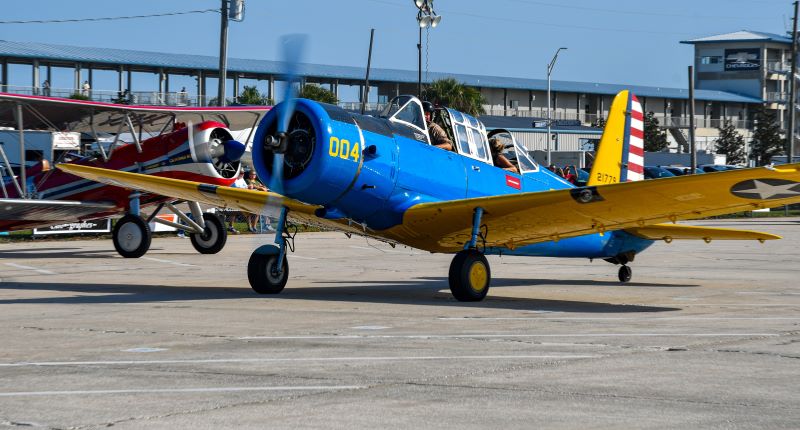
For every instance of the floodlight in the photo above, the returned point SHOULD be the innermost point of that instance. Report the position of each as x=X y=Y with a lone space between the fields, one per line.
x=424 y=21
x=419 y=3
x=435 y=20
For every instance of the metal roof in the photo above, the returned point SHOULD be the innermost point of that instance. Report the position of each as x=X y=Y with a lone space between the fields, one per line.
x=742 y=36
x=110 y=56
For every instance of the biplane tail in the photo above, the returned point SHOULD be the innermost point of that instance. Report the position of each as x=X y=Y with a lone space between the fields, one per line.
x=620 y=154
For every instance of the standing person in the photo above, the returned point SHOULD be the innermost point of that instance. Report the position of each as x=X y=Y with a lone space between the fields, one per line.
x=238 y=183
x=86 y=88
x=183 y=96
x=46 y=88
x=439 y=138
x=252 y=219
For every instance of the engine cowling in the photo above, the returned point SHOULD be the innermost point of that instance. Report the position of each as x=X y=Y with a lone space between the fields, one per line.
x=323 y=156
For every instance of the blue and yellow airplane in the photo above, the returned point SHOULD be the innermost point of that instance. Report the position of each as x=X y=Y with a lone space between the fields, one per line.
x=381 y=177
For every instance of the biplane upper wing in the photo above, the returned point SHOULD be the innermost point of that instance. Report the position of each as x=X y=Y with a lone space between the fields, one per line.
x=84 y=116
x=29 y=213
x=519 y=219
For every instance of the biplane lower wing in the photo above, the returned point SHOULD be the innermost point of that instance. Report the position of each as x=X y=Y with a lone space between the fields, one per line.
x=520 y=219
x=28 y=213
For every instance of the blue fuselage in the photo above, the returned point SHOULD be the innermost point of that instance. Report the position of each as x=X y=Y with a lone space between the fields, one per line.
x=398 y=168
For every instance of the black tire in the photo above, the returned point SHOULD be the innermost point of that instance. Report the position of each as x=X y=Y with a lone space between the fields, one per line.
x=131 y=236
x=625 y=274
x=214 y=236
x=470 y=276
x=261 y=270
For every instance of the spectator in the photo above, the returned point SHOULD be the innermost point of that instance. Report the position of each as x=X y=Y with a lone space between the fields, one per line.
x=85 y=89
x=46 y=88
x=252 y=219
x=232 y=215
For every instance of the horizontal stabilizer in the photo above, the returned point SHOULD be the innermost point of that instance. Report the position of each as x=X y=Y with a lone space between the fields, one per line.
x=670 y=232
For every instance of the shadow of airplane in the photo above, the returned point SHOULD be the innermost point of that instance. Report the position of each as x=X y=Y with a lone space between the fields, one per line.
x=422 y=291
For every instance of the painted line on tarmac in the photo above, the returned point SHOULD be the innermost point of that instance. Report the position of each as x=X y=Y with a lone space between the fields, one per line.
x=294 y=359
x=300 y=257
x=175 y=263
x=35 y=269
x=180 y=390
x=730 y=305
x=618 y=318
x=393 y=251
x=500 y=335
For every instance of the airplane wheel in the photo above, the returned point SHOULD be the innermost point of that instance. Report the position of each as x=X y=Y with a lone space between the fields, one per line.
x=214 y=236
x=262 y=270
x=625 y=273
x=131 y=236
x=469 y=276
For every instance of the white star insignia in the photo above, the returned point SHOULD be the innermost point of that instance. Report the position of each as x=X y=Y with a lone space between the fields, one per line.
x=764 y=191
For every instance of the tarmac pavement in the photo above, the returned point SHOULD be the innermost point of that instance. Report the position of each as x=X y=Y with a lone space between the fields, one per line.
x=368 y=336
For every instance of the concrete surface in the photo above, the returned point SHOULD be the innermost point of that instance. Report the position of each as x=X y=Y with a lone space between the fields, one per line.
x=366 y=336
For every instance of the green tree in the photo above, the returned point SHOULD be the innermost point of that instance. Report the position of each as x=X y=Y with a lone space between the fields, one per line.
x=453 y=94
x=731 y=143
x=79 y=96
x=251 y=96
x=655 y=139
x=317 y=93
x=767 y=141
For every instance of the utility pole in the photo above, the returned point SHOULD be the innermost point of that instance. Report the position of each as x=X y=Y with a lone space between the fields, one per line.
x=365 y=96
x=223 y=52
x=692 y=147
x=792 y=92
x=549 y=116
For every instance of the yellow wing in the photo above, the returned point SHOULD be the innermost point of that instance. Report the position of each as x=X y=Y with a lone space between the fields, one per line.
x=520 y=219
x=247 y=200
x=670 y=232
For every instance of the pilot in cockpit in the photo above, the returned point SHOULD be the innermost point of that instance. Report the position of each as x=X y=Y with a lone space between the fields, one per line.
x=498 y=159
x=438 y=136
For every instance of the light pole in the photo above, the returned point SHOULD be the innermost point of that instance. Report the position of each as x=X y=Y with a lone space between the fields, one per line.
x=426 y=17
x=549 y=116
x=234 y=10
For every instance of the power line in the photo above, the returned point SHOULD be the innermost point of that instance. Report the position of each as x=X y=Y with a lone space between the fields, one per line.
x=112 y=18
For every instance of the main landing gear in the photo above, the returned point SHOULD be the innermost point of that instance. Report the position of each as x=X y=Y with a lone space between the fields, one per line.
x=268 y=269
x=625 y=272
x=132 y=235
x=470 y=274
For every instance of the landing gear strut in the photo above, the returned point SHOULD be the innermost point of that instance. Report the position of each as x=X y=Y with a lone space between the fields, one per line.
x=470 y=274
x=268 y=269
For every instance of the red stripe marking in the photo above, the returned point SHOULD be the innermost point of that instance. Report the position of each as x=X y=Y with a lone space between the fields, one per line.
x=637 y=115
x=635 y=169
x=634 y=97
x=637 y=150
x=513 y=182
x=637 y=133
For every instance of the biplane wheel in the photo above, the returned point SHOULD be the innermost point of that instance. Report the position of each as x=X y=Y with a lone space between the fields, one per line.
x=469 y=276
x=214 y=236
x=262 y=270
x=131 y=236
x=625 y=273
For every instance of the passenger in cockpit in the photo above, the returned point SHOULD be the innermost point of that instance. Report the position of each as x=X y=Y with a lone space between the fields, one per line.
x=498 y=159
x=438 y=136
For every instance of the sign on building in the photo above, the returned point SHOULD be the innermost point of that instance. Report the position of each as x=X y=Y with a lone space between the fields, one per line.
x=742 y=59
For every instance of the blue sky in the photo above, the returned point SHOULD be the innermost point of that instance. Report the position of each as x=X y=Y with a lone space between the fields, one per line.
x=623 y=41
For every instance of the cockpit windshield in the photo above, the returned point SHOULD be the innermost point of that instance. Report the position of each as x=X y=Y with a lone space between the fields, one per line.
x=405 y=109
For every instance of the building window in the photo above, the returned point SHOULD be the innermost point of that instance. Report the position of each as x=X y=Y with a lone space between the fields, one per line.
x=714 y=59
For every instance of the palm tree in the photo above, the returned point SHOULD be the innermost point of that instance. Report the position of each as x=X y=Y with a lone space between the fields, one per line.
x=451 y=93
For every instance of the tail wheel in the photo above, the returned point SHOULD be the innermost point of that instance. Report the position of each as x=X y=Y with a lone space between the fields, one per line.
x=470 y=276
x=625 y=273
x=214 y=236
x=131 y=236
x=266 y=274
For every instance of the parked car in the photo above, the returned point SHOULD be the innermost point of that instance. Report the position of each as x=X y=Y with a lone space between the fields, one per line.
x=708 y=168
x=680 y=171
x=654 y=172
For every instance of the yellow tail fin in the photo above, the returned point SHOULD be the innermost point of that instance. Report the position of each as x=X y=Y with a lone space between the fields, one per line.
x=620 y=155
